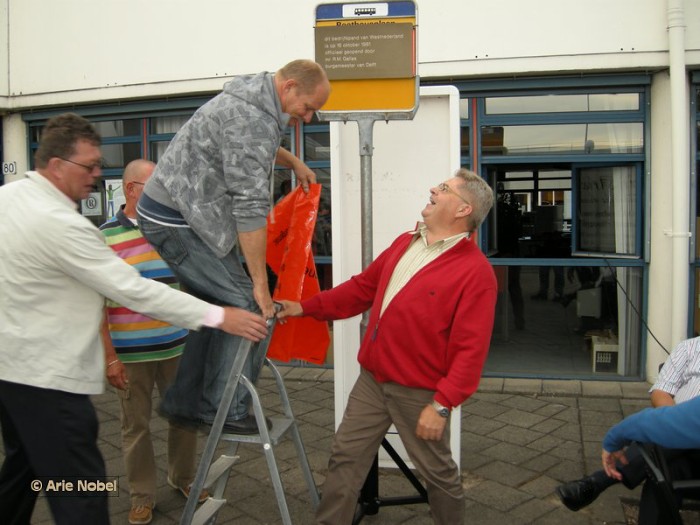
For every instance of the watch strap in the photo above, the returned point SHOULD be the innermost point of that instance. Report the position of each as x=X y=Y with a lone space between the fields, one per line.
x=442 y=410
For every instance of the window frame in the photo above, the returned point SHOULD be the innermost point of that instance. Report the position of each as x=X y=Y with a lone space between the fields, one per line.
x=576 y=250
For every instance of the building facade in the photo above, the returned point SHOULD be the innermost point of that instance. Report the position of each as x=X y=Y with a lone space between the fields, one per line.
x=584 y=118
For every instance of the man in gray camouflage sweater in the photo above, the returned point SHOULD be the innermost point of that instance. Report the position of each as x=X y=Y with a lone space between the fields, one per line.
x=211 y=191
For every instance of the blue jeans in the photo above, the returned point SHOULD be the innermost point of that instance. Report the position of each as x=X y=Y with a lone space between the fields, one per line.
x=206 y=362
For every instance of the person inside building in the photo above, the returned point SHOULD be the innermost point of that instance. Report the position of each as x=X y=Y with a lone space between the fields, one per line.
x=678 y=382
x=140 y=353
x=432 y=296
x=210 y=193
x=55 y=272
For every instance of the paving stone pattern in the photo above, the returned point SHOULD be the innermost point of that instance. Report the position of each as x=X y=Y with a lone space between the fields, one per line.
x=520 y=439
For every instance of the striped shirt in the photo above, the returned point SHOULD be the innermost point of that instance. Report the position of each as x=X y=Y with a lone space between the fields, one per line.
x=680 y=375
x=418 y=255
x=136 y=337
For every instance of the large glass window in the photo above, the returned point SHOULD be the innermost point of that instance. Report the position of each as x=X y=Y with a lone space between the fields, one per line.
x=162 y=130
x=532 y=211
x=563 y=139
x=607 y=207
x=564 y=235
x=465 y=132
x=562 y=103
x=577 y=320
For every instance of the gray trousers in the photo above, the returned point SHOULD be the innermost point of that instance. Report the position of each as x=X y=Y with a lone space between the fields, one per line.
x=371 y=409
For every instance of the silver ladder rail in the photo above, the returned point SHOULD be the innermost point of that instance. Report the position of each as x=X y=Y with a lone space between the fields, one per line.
x=215 y=474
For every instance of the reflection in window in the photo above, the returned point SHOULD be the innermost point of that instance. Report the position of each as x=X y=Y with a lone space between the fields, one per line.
x=322 y=241
x=157 y=150
x=519 y=174
x=614 y=102
x=317 y=146
x=464 y=141
x=584 y=317
x=118 y=128
x=168 y=124
x=119 y=155
x=166 y=127
x=464 y=108
x=607 y=214
x=286 y=141
x=35 y=133
x=614 y=138
x=562 y=103
x=560 y=139
x=532 y=213
x=284 y=183
x=554 y=174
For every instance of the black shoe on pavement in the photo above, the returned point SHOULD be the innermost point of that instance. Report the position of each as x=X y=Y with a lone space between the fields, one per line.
x=580 y=493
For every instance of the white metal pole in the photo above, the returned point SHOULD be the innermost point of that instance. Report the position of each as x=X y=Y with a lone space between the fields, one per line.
x=680 y=140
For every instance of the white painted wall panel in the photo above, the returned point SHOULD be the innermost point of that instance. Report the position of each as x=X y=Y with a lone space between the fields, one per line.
x=409 y=158
x=91 y=50
x=89 y=44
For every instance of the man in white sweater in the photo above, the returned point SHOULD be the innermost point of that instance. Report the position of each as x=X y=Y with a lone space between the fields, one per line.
x=55 y=272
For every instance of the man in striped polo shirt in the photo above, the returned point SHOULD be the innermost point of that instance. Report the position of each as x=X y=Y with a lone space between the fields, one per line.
x=141 y=352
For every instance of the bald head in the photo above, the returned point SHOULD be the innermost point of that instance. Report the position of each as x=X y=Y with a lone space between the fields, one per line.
x=303 y=88
x=136 y=174
x=307 y=74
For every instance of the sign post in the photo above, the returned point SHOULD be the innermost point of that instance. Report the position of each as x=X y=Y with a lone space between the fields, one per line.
x=368 y=51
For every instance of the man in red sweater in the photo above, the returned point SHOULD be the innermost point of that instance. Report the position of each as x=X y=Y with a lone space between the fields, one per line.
x=432 y=296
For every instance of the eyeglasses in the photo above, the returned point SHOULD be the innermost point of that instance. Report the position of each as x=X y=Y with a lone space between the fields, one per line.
x=91 y=168
x=443 y=187
x=139 y=183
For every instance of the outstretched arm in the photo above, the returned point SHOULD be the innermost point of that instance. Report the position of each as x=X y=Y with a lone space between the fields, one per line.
x=253 y=245
x=289 y=309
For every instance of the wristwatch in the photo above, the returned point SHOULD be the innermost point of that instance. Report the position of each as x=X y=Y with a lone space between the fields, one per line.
x=443 y=411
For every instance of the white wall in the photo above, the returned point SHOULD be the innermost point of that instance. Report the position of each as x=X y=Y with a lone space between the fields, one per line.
x=476 y=38
x=4 y=50
x=87 y=50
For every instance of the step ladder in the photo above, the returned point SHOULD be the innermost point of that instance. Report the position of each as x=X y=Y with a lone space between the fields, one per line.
x=214 y=475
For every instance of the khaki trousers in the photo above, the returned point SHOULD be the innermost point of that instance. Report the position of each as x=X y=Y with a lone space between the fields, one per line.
x=372 y=408
x=137 y=446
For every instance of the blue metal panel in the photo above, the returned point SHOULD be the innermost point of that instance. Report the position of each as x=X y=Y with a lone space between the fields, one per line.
x=335 y=11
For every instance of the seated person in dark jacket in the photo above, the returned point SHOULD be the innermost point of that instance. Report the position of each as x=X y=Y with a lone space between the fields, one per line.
x=675 y=427
x=678 y=381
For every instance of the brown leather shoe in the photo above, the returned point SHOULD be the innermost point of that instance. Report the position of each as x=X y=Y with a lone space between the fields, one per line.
x=140 y=514
x=185 y=491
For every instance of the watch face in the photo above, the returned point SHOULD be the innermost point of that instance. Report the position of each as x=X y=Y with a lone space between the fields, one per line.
x=443 y=411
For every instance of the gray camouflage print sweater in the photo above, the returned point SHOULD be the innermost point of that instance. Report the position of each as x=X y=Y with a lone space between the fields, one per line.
x=216 y=171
